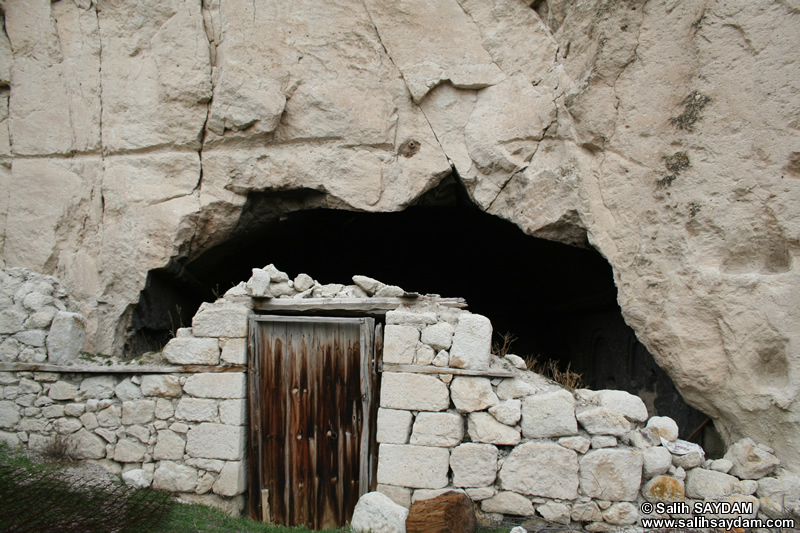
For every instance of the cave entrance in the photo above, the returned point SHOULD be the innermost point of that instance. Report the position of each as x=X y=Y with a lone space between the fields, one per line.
x=555 y=301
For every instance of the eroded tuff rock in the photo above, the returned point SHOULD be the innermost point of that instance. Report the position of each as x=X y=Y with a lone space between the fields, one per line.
x=662 y=133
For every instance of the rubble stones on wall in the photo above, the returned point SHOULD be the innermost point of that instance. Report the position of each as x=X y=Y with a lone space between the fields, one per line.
x=174 y=431
x=591 y=457
x=36 y=325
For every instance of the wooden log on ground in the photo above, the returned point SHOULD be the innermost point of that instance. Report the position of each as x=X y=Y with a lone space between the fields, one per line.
x=451 y=512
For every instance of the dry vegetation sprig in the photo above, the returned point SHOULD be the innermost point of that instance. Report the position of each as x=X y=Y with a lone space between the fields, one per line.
x=60 y=449
x=550 y=368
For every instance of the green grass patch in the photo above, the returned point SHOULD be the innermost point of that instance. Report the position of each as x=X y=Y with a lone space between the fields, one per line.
x=37 y=498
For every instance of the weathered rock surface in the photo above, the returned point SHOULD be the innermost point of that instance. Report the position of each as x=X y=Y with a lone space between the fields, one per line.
x=377 y=512
x=662 y=134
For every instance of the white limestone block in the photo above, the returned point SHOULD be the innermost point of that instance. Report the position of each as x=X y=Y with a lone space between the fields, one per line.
x=611 y=474
x=197 y=410
x=400 y=344
x=174 y=477
x=234 y=351
x=550 y=414
x=437 y=429
x=221 y=320
x=233 y=412
x=482 y=427
x=416 y=392
x=472 y=342
x=169 y=445
x=192 y=351
x=216 y=441
x=438 y=336
x=507 y=412
x=227 y=385
x=472 y=394
x=232 y=480
x=507 y=502
x=473 y=464
x=541 y=469
x=603 y=421
x=66 y=336
x=421 y=467
x=138 y=412
x=394 y=426
x=628 y=405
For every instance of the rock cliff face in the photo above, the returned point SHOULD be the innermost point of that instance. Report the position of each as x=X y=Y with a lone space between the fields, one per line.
x=663 y=133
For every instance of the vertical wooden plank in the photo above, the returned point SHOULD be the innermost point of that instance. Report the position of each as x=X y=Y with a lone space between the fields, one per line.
x=254 y=419
x=366 y=372
x=274 y=408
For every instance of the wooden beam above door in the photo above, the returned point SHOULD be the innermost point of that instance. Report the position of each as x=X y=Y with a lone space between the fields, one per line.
x=360 y=306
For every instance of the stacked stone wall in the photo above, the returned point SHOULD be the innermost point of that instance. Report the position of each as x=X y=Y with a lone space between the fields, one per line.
x=522 y=445
x=452 y=416
x=177 y=422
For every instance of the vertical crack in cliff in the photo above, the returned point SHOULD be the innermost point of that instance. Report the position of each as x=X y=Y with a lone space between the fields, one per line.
x=8 y=161
x=386 y=51
x=100 y=116
x=634 y=57
x=208 y=29
x=483 y=38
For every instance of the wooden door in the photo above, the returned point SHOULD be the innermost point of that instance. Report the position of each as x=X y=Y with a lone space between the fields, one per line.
x=311 y=382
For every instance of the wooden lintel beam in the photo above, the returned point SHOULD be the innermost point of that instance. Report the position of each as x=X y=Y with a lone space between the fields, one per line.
x=118 y=369
x=420 y=369
x=359 y=305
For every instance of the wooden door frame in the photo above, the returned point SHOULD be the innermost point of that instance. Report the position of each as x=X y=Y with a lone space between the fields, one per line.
x=370 y=341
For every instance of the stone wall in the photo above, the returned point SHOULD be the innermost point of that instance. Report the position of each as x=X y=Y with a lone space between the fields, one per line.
x=522 y=445
x=35 y=323
x=452 y=416
x=175 y=422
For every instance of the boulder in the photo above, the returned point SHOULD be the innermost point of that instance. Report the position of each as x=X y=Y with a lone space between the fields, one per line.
x=664 y=427
x=377 y=513
x=708 y=484
x=656 y=461
x=750 y=461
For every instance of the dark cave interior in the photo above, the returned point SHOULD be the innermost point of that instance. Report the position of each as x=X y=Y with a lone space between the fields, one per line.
x=559 y=301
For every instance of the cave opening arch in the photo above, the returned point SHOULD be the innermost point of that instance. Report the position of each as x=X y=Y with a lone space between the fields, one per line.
x=558 y=302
